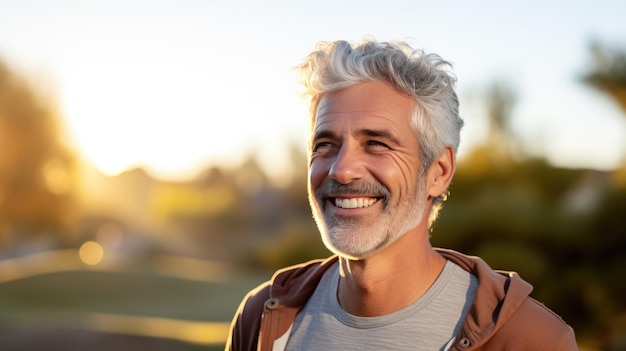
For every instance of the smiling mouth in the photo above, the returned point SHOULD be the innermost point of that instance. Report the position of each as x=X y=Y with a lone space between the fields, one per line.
x=357 y=202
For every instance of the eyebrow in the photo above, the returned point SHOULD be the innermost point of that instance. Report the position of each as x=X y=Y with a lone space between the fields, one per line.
x=323 y=134
x=377 y=133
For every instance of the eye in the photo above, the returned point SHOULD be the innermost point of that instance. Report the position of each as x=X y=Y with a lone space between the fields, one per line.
x=322 y=147
x=377 y=144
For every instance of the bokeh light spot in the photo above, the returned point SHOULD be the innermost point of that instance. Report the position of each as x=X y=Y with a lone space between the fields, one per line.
x=91 y=253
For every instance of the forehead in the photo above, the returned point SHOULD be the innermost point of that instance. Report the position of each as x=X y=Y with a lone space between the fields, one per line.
x=370 y=100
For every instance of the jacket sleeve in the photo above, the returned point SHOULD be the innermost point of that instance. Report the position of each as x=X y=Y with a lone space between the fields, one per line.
x=244 y=329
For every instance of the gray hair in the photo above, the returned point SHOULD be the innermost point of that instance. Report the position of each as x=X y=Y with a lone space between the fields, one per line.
x=425 y=77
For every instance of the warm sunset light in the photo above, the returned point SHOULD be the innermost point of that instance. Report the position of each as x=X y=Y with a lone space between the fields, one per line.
x=91 y=253
x=154 y=165
x=131 y=101
x=177 y=89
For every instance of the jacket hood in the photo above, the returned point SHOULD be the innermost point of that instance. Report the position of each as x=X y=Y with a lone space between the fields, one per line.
x=500 y=294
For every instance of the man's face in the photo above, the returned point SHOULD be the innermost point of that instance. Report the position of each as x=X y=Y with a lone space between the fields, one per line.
x=364 y=172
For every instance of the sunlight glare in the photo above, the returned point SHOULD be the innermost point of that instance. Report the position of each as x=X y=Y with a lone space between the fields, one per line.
x=130 y=103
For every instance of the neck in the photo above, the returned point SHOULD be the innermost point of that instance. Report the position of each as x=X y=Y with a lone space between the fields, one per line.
x=391 y=279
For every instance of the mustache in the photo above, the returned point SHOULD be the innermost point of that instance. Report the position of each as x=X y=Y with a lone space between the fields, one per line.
x=333 y=188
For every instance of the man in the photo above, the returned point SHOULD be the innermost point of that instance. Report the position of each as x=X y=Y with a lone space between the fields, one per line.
x=384 y=135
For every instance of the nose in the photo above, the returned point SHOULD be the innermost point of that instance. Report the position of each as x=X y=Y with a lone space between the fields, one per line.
x=348 y=165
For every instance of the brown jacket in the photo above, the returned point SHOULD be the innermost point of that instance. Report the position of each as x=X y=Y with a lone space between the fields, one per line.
x=503 y=316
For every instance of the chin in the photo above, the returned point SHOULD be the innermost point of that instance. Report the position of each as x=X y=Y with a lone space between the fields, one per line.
x=348 y=250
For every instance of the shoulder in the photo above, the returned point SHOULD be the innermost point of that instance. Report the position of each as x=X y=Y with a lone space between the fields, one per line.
x=292 y=286
x=287 y=284
x=505 y=316
x=533 y=326
x=246 y=323
x=543 y=325
x=522 y=320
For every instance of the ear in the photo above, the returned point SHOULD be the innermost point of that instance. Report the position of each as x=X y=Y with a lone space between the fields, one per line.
x=440 y=173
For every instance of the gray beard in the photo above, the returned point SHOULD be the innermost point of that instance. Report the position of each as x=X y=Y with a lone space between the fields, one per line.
x=342 y=235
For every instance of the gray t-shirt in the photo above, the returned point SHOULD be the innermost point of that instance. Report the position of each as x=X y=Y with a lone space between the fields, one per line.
x=430 y=323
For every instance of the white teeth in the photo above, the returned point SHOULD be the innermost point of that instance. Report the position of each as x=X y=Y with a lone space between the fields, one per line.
x=354 y=202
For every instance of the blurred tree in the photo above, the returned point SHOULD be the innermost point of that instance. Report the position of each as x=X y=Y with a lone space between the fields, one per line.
x=36 y=171
x=495 y=154
x=608 y=75
x=500 y=100
x=608 y=72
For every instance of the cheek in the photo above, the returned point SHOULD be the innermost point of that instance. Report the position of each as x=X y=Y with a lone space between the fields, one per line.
x=398 y=174
x=317 y=172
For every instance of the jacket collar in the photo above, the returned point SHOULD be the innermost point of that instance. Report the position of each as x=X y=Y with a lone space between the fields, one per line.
x=293 y=287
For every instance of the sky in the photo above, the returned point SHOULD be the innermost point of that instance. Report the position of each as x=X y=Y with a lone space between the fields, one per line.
x=176 y=86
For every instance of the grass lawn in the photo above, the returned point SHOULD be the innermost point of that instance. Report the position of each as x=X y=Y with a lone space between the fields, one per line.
x=52 y=309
